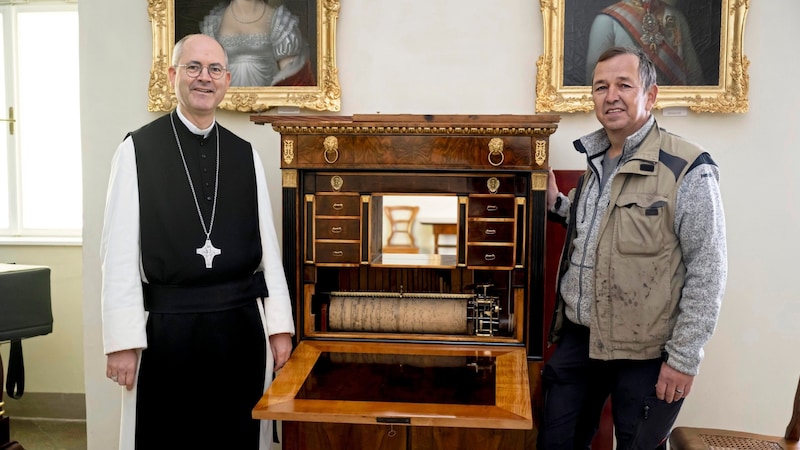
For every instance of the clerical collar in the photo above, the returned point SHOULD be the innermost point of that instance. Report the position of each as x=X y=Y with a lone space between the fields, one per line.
x=192 y=127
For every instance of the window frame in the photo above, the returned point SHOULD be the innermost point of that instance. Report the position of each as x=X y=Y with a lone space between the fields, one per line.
x=16 y=233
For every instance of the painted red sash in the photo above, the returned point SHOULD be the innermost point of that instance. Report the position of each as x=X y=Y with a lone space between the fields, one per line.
x=663 y=56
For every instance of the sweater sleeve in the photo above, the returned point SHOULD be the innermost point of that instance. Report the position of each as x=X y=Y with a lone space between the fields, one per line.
x=700 y=226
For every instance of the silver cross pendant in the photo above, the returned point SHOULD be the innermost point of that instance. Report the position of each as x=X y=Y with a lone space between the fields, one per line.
x=208 y=252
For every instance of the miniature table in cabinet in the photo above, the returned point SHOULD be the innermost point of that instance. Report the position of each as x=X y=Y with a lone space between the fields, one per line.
x=441 y=227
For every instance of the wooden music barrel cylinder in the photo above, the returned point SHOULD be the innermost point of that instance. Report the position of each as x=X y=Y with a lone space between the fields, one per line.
x=398 y=313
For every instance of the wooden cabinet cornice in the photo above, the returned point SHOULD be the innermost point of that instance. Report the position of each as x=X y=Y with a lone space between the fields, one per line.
x=412 y=141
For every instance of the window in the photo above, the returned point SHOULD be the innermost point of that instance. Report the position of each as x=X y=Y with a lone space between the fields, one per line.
x=40 y=148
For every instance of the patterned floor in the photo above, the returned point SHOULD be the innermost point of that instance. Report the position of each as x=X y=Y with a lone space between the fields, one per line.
x=47 y=434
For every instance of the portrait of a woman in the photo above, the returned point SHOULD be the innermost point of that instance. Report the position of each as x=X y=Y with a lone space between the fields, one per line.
x=264 y=43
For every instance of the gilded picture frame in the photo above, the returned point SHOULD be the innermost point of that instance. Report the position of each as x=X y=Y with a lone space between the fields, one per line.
x=566 y=25
x=325 y=95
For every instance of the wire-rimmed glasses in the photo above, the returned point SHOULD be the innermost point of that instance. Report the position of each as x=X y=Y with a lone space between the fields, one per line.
x=215 y=71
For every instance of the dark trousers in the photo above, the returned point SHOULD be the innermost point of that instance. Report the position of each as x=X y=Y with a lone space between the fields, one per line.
x=576 y=388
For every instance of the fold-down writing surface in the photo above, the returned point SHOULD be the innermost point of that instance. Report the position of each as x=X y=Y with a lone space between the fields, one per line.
x=498 y=395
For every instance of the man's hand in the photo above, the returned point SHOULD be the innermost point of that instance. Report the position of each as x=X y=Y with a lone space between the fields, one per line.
x=121 y=367
x=552 y=189
x=673 y=385
x=281 y=345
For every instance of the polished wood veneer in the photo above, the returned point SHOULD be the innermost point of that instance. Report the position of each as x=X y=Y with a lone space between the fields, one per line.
x=509 y=407
x=346 y=388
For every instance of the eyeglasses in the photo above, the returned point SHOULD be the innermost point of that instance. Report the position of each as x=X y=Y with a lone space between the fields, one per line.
x=215 y=71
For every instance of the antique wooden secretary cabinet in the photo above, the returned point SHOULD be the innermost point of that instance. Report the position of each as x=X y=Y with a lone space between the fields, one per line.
x=414 y=248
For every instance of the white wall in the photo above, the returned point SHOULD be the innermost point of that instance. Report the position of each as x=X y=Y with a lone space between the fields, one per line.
x=479 y=57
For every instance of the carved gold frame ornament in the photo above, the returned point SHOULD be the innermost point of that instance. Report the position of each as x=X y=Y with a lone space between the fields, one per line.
x=325 y=96
x=729 y=96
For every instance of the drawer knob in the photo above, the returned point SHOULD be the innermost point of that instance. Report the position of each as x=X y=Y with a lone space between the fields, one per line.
x=489 y=257
x=337 y=253
x=338 y=206
x=336 y=230
x=492 y=208
x=490 y=232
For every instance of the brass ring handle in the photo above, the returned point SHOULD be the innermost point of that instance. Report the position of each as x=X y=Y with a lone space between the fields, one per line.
x=331 y=146
x=490 y=231
x=338 y=206
x=498 y=163
x=337 y=253
x=489 y=257
x=491 y=208
x=336 y=230
x=335 y=156
x=495 y=151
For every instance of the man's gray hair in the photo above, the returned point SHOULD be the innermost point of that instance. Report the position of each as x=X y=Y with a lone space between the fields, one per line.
x=647 y=70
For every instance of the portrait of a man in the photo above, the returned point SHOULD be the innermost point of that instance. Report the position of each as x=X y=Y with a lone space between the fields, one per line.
x=682 y=37
x=268 y=42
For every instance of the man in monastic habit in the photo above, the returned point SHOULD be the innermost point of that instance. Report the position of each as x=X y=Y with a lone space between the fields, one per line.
x=196 y=308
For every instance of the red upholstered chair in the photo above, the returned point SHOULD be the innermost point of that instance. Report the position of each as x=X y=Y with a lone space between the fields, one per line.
x=688 y=438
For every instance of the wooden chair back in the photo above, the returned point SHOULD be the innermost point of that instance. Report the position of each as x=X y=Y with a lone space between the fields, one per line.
x=401 y=221
x=689 y=438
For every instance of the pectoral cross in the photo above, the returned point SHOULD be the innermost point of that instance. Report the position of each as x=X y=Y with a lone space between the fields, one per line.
x=208 y=252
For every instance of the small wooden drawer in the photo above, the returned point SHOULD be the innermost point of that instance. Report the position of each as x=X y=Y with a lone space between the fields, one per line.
x=345 y=229
x=489 y=231
x=490 y=256
x=337 y=252
x=338 y=205
x=491 y=207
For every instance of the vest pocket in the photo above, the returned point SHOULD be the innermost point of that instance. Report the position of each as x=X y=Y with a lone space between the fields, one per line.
x=639 y=279
x=638 y=223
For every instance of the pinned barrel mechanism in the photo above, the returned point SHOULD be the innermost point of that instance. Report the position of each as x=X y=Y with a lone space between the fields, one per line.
x=483 y=312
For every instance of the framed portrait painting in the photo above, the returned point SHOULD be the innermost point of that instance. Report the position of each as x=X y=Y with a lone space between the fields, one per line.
x=696 y=46
x=280 y=52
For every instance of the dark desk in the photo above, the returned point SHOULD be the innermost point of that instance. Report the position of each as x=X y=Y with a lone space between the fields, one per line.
x=25 y=312
x=25 y=309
